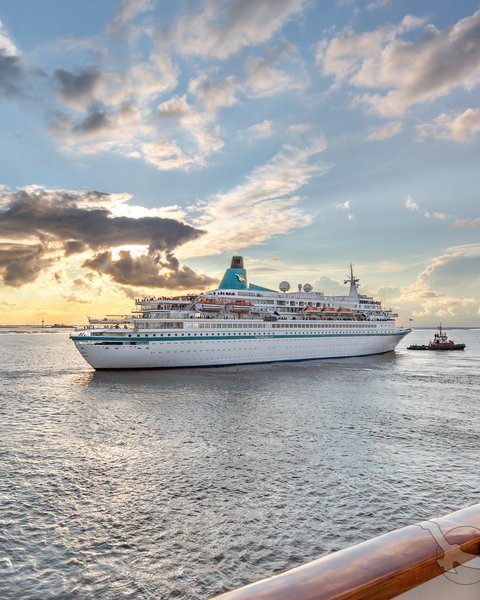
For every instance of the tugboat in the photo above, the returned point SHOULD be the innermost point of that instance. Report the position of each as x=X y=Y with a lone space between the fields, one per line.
x=440 y=342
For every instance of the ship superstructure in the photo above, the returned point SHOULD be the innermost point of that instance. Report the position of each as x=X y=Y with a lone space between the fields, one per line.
x=240 y=323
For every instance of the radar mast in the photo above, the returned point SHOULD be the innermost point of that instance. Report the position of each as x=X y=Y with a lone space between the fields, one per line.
x=353 y=281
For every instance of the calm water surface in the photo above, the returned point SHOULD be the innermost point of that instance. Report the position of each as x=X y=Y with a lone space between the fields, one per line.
x=183 y=484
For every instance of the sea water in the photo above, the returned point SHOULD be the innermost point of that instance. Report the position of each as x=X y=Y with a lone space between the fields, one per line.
x=186 y=483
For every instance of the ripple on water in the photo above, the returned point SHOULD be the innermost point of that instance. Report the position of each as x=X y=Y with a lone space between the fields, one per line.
x=183 y=484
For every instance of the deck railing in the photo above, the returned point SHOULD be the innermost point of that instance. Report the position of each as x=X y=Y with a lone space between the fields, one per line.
x=384 y=567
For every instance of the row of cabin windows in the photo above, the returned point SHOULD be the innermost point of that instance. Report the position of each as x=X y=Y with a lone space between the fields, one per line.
x=348 y=327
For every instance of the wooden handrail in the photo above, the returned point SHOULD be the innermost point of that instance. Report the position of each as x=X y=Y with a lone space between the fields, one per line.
x=381 y=568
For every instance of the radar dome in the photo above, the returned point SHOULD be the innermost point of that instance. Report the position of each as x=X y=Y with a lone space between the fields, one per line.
x=307 y=288
x=284 y=286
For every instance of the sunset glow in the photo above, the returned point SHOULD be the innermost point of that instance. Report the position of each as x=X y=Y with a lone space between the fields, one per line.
x=143 y=143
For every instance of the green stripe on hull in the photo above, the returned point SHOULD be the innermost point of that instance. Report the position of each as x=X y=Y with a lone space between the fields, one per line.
x=77 y=338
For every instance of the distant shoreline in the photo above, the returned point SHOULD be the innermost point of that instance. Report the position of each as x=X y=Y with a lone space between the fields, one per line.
x=38 y=326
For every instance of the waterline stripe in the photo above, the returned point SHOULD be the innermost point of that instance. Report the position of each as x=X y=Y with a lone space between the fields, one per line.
x=259 y=336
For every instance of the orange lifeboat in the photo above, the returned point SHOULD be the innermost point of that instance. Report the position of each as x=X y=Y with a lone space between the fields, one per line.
x=209 y=304
x=239 y=306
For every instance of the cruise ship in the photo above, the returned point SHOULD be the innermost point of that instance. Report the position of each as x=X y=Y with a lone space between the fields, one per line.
x=238 y=323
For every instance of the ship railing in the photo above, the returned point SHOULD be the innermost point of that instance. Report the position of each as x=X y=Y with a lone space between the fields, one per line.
x=418 y=561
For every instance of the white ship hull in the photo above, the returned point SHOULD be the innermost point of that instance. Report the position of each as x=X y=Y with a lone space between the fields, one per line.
x=249 y=324
x=174 y=353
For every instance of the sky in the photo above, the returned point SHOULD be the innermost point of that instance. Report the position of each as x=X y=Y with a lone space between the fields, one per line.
x=145 y=142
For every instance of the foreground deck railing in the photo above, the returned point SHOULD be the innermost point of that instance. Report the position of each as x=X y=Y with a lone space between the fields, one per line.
x=387 y=566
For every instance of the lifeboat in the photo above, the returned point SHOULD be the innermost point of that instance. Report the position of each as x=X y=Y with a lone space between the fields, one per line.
x=329 y=312
x=345 y=312
x=209 y=304
x=313 y=310
x=239 y=306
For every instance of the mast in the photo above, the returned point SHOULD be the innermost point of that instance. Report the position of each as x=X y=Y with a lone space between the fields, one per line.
x=353 y=281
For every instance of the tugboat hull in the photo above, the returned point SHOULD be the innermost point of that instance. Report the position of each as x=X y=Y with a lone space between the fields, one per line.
x=440 y=342
x=453 y=347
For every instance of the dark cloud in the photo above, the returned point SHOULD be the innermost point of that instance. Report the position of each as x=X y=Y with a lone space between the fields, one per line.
x=22 y=263
x=53 y=220
x=94 y=123
x=144 y=271
x=11 y=74
x=76 y=86
x=65 y=216
x=74 y=247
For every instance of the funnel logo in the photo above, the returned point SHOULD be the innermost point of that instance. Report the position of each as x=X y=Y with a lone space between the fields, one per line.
x=458 y=566
x=240 y=278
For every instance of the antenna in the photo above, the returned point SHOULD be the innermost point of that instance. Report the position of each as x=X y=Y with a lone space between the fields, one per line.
x=351 y=278
x=353 y=281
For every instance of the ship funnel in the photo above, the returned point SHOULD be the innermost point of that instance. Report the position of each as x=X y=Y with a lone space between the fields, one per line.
x=235 y=277
x=237 y=262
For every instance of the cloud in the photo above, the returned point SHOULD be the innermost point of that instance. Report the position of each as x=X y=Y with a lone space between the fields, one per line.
x=408 y=70
x=151 y=270
x=329 y=286
x=466 y=223
x=413 y=206
x=108 y=105
x=346 y=206
x=257 y=132
x=264 y=205
x=438 y=285
x=300 y=128
x=22 y=263
x=7 y=45
x=378 y=4
x=174 y=108
x=279 y=70
x=95 y=123
x=214 y=94
x=127 y=11
x=74 y=299
x=198 y=127
x=107 y=109
x=12 y=70
x=166 y=156
x=48 y=225
x=77 y=88
x=385 y=132
x=458 y=127
x=220 y=30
